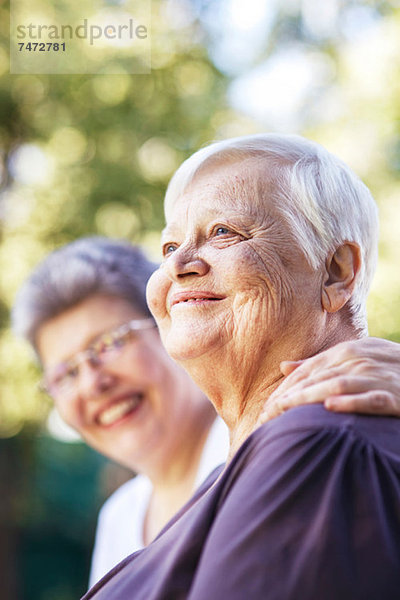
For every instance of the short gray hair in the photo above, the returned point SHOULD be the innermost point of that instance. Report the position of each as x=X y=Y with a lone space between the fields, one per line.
x=322 y=200
x=72 y=273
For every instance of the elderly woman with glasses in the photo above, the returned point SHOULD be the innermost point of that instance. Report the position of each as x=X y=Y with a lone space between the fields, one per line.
x=269 y=250
x=84 y=311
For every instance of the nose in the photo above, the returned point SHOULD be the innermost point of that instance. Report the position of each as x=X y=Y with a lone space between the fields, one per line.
x=184 y=262
x=94 y=380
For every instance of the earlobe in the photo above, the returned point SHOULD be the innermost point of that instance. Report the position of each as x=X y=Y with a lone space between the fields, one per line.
x=342 y=268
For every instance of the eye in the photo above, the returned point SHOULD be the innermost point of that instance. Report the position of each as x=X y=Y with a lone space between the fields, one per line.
x=167 y=249
x=103 y=345
x=229 y=235
x=70 y=373
x=64 y=376
x=221 y=230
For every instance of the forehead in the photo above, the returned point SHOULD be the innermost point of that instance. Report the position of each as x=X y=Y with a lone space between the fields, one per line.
x=242 y=187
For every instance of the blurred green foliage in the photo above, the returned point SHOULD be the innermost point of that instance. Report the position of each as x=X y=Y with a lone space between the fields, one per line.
x=83 y=155
x=47 y=516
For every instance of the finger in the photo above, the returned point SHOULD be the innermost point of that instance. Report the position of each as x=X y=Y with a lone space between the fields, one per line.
x=288 y=366
x=270 y=411
x=376 y=348
x=320 y=391
x=374 y=402
x=292 y=378
x=294 y=384
x=312 y=365
x=366 y=348
x=347 y=355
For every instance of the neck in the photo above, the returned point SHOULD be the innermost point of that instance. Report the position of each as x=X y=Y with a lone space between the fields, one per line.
x=174 y=482
x=239 y=389
x=177 y=468
x=248 y=421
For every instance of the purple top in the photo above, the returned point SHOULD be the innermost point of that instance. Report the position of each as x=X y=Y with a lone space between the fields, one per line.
x=308 y=509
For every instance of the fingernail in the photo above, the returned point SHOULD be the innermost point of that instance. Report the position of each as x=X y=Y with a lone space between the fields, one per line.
x=330 y=403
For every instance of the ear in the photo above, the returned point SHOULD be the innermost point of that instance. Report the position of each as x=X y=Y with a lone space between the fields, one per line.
x=342 y=268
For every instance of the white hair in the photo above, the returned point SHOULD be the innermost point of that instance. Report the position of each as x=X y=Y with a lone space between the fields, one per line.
x=322 y=200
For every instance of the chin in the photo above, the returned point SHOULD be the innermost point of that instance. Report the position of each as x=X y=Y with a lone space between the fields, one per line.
x=185 y=345
x=181 y=352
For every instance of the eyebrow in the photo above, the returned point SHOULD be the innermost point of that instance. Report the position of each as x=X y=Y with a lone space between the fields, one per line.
x=166 y=231
x=92 y=340
x=174 y=229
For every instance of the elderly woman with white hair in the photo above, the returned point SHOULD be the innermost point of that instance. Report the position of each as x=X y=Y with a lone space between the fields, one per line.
x=269 y=250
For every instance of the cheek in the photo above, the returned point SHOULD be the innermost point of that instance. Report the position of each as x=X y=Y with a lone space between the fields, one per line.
x=260 y=269
x=156 y=294
x=70 y=414
x=276 y=273
x=147 y=361
x=265 y=284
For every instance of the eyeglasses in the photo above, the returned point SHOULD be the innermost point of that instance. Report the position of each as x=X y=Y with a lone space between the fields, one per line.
x=63 y=380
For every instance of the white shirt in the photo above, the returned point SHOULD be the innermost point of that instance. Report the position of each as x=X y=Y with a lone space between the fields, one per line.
x=120 y=524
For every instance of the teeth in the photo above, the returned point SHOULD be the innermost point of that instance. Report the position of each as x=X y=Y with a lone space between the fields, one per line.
x=117 y=411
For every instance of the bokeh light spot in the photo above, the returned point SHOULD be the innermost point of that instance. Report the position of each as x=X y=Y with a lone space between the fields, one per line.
x=111 y=89
x=116 y=220
x=157 y=159
x=30 y=165
x=68 y=145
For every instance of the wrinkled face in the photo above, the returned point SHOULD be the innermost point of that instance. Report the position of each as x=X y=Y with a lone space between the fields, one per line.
x=232 y=275
x=126 y=409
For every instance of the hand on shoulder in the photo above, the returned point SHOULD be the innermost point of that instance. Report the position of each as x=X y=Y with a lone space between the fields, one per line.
x=360 y=376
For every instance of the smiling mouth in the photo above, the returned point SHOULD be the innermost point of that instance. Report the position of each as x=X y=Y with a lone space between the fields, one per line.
x=198 y=300
x=119 y=410
x=192 y=299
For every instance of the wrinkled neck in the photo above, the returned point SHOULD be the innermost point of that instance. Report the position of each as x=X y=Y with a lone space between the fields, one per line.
x=239 y=388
